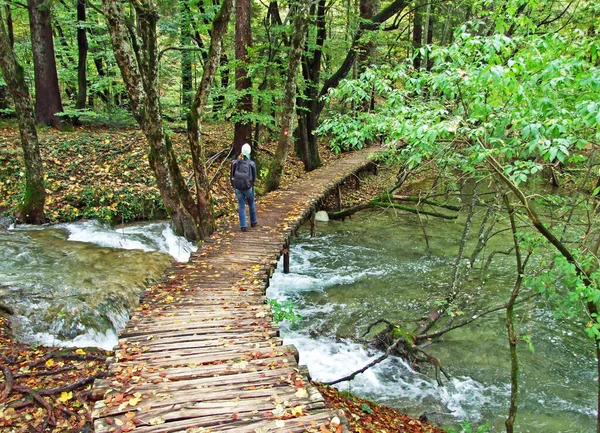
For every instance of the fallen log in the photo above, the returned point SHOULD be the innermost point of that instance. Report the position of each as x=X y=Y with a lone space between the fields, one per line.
x=381 y=204
x=416 y=199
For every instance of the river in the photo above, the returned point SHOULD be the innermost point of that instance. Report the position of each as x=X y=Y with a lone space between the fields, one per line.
x=74 y=284
x=376 y=266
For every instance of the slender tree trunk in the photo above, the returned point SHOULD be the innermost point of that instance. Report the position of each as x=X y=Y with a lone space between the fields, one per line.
x=224 y=67
x=429 y=33
x=368 y=9
x=9 y=25
x=598 y=378
x=243 y=85
x=417 y=37
x=4 y=102
x=510 y=325
x=331 y=82
x=185 y=38
x=47 y=92
x=140 y=74
x=31 y=209
x=82 y=45
x=196 y=113
x=289 y=98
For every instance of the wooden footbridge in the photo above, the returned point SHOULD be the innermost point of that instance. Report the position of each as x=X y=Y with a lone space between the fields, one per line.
x=201 y=352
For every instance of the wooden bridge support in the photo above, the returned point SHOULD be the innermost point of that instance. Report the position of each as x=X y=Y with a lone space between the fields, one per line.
x=286 y=259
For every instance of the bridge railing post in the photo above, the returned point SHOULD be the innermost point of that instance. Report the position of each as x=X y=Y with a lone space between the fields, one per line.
x=286 y=258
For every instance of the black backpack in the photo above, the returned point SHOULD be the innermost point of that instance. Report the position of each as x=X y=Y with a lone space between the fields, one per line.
x=242 y=175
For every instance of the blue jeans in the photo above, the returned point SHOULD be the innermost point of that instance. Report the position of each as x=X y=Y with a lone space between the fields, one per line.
x=242 y=198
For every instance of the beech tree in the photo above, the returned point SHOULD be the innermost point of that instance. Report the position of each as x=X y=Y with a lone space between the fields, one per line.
x=136 y=53
x=31 y=209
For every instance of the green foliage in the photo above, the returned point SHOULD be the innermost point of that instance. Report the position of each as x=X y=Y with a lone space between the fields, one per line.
x=284 y=311
x=366 y=408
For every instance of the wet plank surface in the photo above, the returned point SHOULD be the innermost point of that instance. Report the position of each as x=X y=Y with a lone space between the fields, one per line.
x=201 y=353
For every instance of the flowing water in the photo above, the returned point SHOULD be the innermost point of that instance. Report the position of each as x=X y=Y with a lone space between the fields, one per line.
x=376 y=266
x=74 y=284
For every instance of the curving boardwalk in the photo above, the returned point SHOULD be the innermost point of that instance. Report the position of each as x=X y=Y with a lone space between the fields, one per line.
x=201 y=352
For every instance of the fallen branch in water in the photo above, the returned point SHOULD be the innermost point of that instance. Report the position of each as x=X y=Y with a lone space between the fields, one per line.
x=381 y=204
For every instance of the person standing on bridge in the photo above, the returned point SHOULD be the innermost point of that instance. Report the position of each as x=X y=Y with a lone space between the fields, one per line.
x=243 y=176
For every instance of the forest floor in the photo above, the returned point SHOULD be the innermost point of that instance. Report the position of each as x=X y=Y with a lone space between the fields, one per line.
x=101 y=173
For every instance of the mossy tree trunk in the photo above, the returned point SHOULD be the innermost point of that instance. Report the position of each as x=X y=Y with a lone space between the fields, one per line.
x=289 y=97
x=136 y=55
x=197 y=111
x=31 y=210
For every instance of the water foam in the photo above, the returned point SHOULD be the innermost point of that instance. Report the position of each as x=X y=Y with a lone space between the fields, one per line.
x=145 y=237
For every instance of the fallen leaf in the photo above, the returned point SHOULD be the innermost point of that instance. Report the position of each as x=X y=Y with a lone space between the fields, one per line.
x=301 y=393
x=65 y=396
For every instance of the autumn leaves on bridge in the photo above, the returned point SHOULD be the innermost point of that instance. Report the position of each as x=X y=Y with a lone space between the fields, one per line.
x=201 y=353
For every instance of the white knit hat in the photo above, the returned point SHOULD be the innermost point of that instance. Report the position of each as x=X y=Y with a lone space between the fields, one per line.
x=246 y=150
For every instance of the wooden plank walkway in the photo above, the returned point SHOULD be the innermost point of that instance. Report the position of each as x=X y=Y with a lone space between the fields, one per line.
x=202 y=354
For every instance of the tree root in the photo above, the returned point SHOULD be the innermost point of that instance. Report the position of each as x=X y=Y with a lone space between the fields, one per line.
x=8 y=382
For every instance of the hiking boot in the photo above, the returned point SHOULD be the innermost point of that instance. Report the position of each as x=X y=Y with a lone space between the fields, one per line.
x=253 y=224
x=244 y=229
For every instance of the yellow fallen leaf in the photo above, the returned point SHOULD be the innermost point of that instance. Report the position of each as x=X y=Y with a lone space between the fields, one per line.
x=301 y=393
x=156 y=421
x=80 y=351
x=50 y=363
x=134 y=401
x=65 y=396
x=297 y=410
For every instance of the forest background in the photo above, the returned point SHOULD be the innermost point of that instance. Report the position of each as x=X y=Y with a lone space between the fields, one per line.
x=503 y=91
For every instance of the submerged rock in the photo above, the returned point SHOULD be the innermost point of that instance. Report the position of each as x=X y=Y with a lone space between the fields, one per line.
x=322 y=216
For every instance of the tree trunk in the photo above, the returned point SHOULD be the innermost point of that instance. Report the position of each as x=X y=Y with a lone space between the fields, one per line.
x=47 y=93
x=289 y=98
x=308 y=149
x=185 y=38
x=4 y=102
x=82 y=45
x=429 y=33
x=224 y=66
x=510 y=325
x=417 y=37
x=243 y=85
x=317 y=103
x=195 y=118
x=392 y=9
x=368 y=8
x=31 y=210
x=141 y=81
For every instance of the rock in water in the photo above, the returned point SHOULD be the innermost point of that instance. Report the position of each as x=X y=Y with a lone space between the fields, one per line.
x=322 y=216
